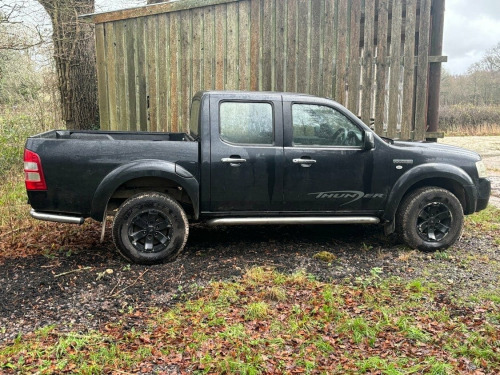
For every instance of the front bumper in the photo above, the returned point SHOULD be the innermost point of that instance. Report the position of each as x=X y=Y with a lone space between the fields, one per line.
x=483 y=194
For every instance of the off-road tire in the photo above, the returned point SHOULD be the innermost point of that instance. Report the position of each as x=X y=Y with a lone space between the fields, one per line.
x=150 y=228
x=430 y=212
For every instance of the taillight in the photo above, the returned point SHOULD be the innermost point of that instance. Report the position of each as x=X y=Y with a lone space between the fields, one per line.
x=33 y=173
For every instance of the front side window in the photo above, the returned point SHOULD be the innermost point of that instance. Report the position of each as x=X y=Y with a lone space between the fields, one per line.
x=246 y=123
x=317 y=125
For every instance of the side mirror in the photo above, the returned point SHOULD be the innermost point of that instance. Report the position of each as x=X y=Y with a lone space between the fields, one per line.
x=368 y=141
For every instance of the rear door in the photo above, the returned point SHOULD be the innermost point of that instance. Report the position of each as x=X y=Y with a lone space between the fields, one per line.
x=246 y=168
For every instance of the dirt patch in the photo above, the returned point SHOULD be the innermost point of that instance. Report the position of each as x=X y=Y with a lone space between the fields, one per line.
x=80 y=292
x=489 y=149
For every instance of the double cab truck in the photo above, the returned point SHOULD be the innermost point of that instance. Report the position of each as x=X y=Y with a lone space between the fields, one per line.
x=252 y=158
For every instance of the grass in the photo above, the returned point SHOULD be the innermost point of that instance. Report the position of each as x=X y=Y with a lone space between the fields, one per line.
x=380 y=324
x=475 y=130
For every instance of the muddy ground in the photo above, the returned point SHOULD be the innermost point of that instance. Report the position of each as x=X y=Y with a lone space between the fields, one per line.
x=87 y=289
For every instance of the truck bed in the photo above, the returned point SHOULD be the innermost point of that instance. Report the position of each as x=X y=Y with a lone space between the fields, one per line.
x=114 y=136
x=76 y=162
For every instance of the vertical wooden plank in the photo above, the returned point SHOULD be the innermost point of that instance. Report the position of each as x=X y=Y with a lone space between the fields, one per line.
x=354 y=63
x=111 y=64
x=368 y=54
x=151 y=60
x=121 y=70
x=422 y=70
x=186 y=62
x=174 y=71
x=342 y=47
x=232 y=52
x=268 y=44
x=395 y=70
x=130 y=36
x=322 y=47
x=244 y=44
x=255 y=41
x=220 y=45
x=382 y=53
x=208 y=48
x=409 y=70
x=435 y=49
x=163 y=84
x=102 y=80
x=315 y=45
x=197 y=53
x=281 y=52
x=141 y=80
x=291 y=67
x=330 y=50
x=303 y=50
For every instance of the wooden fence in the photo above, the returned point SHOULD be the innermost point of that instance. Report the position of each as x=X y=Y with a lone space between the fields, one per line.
x=371 y=56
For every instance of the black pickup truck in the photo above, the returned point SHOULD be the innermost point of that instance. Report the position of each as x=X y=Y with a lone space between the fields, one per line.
x=253 y=158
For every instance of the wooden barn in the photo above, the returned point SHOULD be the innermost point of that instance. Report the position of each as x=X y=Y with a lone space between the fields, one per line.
x=380 y=58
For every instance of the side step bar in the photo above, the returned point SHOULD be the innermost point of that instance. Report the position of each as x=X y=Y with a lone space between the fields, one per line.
x=295 y=220
x=57 y=218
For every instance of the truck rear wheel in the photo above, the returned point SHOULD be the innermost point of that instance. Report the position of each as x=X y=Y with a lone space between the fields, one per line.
x=150 y=228
x=430 y=219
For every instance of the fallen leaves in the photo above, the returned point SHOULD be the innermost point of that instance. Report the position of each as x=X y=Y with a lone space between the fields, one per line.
x=373 y=325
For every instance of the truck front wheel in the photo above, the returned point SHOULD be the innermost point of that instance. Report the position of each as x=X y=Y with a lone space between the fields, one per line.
x=150 y=228
x=430 y=219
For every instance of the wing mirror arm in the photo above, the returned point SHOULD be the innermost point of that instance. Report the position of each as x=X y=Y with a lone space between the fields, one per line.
x=368 y=141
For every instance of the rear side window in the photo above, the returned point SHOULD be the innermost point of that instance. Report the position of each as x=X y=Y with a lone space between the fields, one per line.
x=246 y=123
x=194 y=120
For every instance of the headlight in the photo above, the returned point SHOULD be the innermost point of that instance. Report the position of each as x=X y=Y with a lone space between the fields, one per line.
x=481 y=169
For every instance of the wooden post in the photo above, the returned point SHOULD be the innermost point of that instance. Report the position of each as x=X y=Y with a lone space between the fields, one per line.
x=436 y=49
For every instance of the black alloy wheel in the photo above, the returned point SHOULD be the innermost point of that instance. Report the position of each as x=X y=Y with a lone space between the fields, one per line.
x=434 y=222
x=430 y=218
x=150 y=228
x=150 y=231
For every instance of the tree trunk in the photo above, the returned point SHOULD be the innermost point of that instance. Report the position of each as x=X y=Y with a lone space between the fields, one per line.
x=74 y=54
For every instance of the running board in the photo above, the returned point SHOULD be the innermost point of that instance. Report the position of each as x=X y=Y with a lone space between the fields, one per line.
x=57 y=218
x=295 y=220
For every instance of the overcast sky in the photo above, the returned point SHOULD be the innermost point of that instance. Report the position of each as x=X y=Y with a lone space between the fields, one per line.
x=471 y=27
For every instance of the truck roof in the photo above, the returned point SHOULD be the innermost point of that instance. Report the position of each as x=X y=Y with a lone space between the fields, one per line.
x=264 y=95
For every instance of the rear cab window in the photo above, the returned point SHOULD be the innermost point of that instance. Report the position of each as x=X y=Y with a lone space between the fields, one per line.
x=194 y=121
x=247 y=123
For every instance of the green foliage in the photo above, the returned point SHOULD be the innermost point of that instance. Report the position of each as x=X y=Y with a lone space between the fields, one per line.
x=20 y=81
x=257 y=310
x=14 y=129
x=325 y=256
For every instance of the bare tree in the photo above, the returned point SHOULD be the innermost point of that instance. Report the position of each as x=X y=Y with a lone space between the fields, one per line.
x=490 y=62
x=14 y=34
x=74 y=54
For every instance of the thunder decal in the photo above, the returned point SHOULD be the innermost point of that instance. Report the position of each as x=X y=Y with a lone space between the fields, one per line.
x=346 y=194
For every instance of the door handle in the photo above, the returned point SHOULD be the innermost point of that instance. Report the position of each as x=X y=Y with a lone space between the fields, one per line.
x=235 y=162
x=304 y=162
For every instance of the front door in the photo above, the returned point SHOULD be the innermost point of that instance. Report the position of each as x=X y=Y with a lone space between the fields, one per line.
x=246 y=170
x=326 y=167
